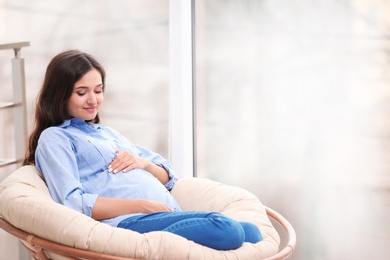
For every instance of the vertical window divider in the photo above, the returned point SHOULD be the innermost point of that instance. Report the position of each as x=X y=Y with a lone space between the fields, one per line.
x=182 y=138
x=194 y=135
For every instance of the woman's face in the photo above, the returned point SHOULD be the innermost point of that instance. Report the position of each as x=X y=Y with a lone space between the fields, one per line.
x=87 y=96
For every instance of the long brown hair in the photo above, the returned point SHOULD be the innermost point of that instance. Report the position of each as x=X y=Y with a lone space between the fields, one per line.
x=63 y=71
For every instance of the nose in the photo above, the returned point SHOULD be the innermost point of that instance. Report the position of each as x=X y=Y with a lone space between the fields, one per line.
x=92 y=99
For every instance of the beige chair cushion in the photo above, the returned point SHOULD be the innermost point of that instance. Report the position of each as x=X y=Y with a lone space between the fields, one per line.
x=25 y=202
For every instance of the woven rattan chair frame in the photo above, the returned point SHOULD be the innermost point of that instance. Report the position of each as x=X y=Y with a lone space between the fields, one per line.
x=40 y=248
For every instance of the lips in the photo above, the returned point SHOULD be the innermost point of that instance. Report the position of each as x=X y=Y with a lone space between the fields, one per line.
x=90 y=109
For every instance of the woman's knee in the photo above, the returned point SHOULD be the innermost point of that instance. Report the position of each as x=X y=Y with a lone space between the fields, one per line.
x=252 y=232
x=229 y=233
x=237 y=232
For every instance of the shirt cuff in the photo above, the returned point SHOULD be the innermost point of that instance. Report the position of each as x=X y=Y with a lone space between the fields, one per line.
x=89 y=201
x=171 y=176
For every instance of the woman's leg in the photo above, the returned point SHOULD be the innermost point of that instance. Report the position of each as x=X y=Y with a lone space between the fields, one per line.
x=252 y=232
x=209 y=229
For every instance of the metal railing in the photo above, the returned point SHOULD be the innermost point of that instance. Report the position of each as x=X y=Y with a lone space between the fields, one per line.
x=18 y=104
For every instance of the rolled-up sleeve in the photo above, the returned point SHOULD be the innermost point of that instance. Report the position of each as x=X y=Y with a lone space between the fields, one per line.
x=160 y=161
x=172 y=177
x=56 y=160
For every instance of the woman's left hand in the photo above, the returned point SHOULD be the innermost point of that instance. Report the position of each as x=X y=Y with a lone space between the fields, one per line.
x=125 y=161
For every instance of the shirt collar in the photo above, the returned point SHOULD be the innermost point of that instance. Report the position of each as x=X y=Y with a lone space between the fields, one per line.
x=78 y=122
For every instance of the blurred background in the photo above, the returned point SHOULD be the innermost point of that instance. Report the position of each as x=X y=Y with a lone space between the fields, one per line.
x=292 y=101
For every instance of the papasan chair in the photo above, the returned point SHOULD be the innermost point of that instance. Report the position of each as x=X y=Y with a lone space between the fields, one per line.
x=51 y=231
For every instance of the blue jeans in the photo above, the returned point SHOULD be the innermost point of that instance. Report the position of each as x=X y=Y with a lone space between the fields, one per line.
x=210 y=229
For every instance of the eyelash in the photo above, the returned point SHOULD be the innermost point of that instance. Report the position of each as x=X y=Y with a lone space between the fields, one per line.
x=97 y=92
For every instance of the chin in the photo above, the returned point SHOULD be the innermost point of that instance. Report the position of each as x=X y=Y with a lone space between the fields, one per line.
x=90 y=117
x=87 y=118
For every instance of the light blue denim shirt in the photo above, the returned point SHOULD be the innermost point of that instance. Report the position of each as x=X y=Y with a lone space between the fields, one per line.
x=74 y=157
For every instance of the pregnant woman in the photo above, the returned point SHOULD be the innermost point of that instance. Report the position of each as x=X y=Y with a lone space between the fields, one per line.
x=93 y=169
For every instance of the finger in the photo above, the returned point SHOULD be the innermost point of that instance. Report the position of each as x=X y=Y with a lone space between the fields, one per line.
x=129 y=168
x=113 y=162
x=166 y=208
x=122 y=167
x=119 y=162
x=124 y=161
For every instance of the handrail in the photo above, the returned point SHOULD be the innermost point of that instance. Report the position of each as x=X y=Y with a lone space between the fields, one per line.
x=5 y=162
x=16 y=46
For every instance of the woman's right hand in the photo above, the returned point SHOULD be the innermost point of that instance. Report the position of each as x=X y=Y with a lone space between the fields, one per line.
x=152 y=206
x=112 y=207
